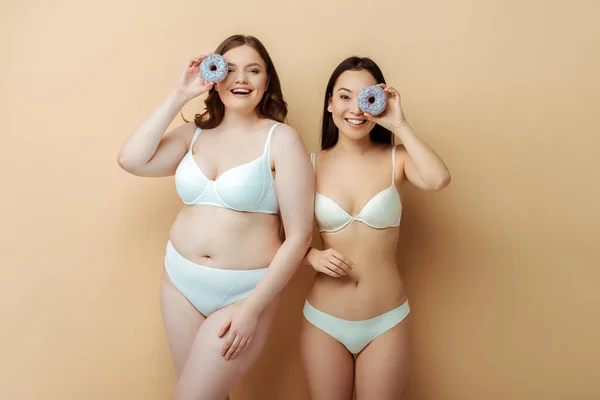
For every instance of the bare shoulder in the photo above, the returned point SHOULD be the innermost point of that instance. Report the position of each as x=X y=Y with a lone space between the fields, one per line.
x=401 y=153
x=385 y=149
x=401 y=157
x=186 y=129
x=183 y=132
x=381 y=151
x=322 y=155
x=285 y=139
x=319 y=154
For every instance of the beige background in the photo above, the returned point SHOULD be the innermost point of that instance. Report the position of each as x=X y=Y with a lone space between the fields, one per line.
x=501 y=268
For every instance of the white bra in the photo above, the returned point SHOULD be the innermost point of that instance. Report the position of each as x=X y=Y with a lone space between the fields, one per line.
x=383 y=210
x=248 y=187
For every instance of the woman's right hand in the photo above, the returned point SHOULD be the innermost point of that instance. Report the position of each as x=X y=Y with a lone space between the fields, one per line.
x=191 y=84
x=329 y=262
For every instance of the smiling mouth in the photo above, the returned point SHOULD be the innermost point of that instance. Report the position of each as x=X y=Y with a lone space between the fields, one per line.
x=239 y=92
x=356 y=122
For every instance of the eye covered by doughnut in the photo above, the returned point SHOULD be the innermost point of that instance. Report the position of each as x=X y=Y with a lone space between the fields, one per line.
x=372 y=100
x=213 y=68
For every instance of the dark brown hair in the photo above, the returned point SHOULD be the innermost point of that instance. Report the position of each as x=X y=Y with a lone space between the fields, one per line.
x=330 y=132
x=272 y=105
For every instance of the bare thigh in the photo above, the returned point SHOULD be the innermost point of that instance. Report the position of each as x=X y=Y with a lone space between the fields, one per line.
x=182 y=321
x=382 y=367
x=328 y=365
x=207 y=375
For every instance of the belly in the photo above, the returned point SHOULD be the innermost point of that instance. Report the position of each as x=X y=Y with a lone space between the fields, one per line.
x=220 y=238
x=373 y=287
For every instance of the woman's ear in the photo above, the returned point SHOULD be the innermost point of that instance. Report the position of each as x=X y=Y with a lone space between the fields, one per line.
x=329 y=105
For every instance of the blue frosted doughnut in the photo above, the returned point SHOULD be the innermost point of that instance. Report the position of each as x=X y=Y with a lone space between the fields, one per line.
x=213 y=68
x=372 y=100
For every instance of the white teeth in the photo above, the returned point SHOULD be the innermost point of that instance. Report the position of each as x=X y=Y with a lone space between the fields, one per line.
x=240 y=91
x=356 y=121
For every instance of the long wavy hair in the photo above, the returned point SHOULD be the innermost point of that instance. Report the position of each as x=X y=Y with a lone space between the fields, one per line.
x=272 y=105
x=330 y=132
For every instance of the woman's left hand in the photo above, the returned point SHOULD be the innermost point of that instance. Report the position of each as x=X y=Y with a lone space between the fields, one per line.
x=392 y=117
x=240 y=328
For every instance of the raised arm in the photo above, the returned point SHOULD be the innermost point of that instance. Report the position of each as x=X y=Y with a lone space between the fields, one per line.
x=421 y=165
x=148 y=151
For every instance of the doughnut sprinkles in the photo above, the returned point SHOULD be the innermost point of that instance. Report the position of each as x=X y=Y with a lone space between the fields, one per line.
x=213 y=68
x=372 y=100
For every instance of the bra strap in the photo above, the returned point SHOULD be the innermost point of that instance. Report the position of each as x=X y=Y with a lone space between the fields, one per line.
x=194 y=138
x=268 y=142
x=267 y=150
x=312 y=160
x=394 y=163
